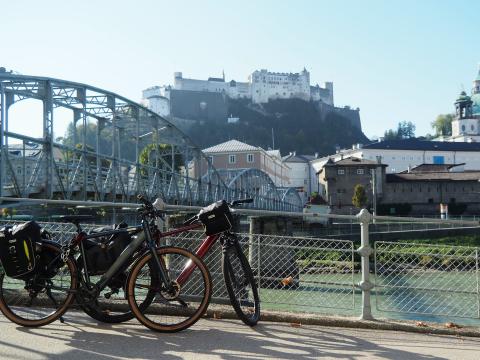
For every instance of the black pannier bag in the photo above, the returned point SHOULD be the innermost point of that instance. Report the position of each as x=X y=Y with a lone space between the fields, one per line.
x=102 y=252
x=17 y=249
x=216 y=218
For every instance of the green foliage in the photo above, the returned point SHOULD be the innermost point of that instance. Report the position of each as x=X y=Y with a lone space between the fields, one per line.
x=6 y=212
x=443 y=124
x=316 y=199
x=148 y=157
x=297 y=126
x=405 y=130
x=359 y=198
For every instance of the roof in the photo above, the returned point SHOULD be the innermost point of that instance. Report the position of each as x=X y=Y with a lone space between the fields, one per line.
x=463 y=97
x=215 y=79
x=425 y=168
x=423 y=145
x=230 y=146
x=292 y=157
x=435 y=176
x=352 y=161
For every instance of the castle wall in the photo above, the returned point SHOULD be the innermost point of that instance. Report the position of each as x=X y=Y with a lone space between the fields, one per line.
x=198 y=105
x=351 y=114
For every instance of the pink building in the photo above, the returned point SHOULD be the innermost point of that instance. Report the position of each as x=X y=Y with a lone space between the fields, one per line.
x=236 y=155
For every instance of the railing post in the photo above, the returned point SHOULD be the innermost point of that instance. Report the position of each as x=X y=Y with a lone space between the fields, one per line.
x=365 y=218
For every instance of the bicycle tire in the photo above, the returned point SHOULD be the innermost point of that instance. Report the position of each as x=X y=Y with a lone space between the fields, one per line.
x=112 y=312
x=36 y=290
x=238 y=275
x=163 y=315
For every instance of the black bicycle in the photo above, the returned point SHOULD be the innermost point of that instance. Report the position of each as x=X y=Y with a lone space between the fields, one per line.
x=217 y=220
x=41 y=279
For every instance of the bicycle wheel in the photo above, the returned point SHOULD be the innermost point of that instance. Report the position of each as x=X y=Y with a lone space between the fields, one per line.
x=111 y=306
x=240 y=284
x=169 y=311
x=45 y=295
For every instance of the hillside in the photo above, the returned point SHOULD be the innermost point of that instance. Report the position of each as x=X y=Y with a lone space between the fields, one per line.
x=297 y=125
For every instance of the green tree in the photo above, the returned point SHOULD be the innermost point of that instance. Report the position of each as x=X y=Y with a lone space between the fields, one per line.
x=443 y=124
x=6 y=212
x=405 y=130
x=148 y=157
x=390 y=135
x=359 y=198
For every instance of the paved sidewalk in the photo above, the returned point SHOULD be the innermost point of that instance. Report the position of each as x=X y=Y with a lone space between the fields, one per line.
x=82 y=338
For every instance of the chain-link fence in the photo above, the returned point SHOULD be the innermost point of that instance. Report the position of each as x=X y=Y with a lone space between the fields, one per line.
x=427 y=279
x=311 y=275
x=293 y=273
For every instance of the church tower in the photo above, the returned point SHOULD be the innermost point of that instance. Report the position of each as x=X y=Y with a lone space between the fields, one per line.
x=476 y=83
x=463 y=106
x=465 y=128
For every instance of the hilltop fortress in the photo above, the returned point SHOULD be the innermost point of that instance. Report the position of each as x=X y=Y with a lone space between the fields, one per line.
x=204 y=100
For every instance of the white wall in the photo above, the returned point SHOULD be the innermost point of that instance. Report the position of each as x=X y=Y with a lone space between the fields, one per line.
x=401 y=160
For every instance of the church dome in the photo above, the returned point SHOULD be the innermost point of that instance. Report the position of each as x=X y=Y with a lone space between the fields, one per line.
x=463 y=97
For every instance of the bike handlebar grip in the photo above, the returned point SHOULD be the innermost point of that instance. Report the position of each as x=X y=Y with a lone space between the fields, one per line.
x=242 y=201
x=144 y=200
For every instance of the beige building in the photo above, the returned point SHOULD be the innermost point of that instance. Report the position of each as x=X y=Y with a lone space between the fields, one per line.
x=337 y=180
x=236 y=155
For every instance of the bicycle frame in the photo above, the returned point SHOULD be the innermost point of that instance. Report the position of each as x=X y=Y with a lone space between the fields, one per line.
x=202 y=250
x=124 y=257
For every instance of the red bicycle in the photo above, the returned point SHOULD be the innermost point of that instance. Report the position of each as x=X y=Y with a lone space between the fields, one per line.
x=237 y=273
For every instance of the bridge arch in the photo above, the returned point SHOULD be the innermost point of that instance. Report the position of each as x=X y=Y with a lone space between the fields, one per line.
x=100 y=160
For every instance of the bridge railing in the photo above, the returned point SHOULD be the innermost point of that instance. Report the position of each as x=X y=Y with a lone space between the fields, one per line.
x=347 y=277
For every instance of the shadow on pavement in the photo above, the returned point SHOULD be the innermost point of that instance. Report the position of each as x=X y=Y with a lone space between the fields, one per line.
x=209 y=339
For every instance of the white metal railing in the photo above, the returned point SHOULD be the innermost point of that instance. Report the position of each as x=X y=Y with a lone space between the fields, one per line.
x=406 y=275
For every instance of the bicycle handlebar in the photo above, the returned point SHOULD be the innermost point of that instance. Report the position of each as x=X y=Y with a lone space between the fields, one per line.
x=233 y=204
x=241 y=201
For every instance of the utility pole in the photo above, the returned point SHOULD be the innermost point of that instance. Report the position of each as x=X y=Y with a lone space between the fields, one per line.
x=374 y=191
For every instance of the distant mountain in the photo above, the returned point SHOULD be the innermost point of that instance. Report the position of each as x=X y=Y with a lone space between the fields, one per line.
x=297 y=125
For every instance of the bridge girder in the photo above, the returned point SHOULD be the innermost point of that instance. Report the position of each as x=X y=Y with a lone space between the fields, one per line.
x=106 y=166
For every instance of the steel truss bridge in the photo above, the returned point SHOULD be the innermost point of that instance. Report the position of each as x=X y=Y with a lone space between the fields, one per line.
x=115 y=150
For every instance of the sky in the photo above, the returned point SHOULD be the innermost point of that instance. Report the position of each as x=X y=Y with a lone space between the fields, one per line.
x=396 y=61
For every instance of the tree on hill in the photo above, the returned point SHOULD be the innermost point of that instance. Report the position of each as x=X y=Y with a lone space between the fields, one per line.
x=443 y=124
x=297 y=125
x=359 y=198
x=405 y=130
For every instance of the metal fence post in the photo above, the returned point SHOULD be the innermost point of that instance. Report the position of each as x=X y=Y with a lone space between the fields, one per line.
x=365 y=218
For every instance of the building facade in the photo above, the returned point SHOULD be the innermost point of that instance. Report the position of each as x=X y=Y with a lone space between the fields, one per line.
x=299 y=174
x=337 y=181
x=262 y=86
x=236 y=155
x=155 y=100
x=400 y=155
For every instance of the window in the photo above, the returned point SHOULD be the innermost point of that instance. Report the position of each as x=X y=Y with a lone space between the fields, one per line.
x=250 y=158
x=341 y=172
x=210 y=159
x=360 y=171
x=231 y=159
